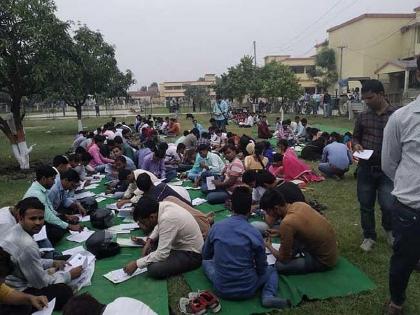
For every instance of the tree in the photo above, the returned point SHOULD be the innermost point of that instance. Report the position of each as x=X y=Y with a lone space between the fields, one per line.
x=325 y=71
x=143 y=88
x=199 y=95
x=90 y=69
x=278 y=81
x=154 y=85
x=31 y=38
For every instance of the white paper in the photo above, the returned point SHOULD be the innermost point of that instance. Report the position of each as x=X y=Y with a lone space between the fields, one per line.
x=79 y=237
x=42 y=235
x=198 y=201
x=88 y=269
x=92 y=186
x=76 y=261
x=113 y=206
x=191 y=188
x=84 y=195
x=85 y=218
x=81 y=185
x=47 y=310
x=74 y=250
x=127 y=242
x=209 y=182
x=364 y=155
x=176 y=183
x=99 y=199
x=276 y=246
x=118 y=276
x=46 y=249
x=271 y=260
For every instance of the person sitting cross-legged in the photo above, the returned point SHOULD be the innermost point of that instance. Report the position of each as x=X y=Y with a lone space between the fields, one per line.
x=30 y=273
x=234 y=257
x=206 y=164
x=308 y=241
x=178 y=236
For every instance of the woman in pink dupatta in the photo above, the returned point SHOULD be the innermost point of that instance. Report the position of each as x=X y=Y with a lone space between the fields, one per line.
x=294 y=168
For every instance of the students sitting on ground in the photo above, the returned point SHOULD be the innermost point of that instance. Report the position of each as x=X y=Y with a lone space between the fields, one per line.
x=249 y=122
x=155 y=162
x=13 y=301
x=263 y=130
x=144 y=151
x=178 y=237
x=231 y=177
x=308 y=241
x=56 y=227
x=98 y=160
x=190 y=143
x=313 y=149
x=174 y=129
x=276 y=167
x=234 y=258
x=126 y=148
x=117 y=151
x=60 y=164
x=77 y=164
x=198 y=126
x=160 y=191
x=336 y=158
x=286 y=133
x=30 y=273
x=60 y=195
x=206 y=164
x=301 y=134
x=85 y=304
x=256 y=160
x=112 y=170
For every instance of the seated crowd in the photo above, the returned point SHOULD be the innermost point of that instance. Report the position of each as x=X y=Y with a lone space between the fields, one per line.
x=249 y=176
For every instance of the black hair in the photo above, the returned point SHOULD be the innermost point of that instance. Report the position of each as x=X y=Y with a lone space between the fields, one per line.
x=160 y=150
x=229 y=146
x=86 y=157
x=145 y=207
x=203 y=147
x=74 y=158
x=44 y=171
x=283 y=142
x=143 y=182
x=195 y=132
x=149 y=144
x=121 y=159
x=277 y=157
x=272 y=198
x=304 y=121
x=241 y=200
x=249 y=176
x=83 y=304
x=60 y=159
x=205 y=135
x=80 y=150
x=71 y=175
x=99 y=138
x=186 y=133
x=180 y=146
x=123 y=174
x=374 y=86
x=259 y=148
x=6 y=266
x=264 y=177
x=110 y=142
x=118 y=140
x=29 y=203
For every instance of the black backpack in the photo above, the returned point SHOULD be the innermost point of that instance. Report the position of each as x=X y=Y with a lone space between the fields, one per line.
x=102 y=218
x=100 y=244
x=90 y=204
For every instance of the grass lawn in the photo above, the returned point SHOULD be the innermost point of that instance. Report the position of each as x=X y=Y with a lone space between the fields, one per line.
x=55 y=136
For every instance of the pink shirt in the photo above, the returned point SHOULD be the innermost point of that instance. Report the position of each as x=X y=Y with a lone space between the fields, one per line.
x=235 y=168
x=98 y=158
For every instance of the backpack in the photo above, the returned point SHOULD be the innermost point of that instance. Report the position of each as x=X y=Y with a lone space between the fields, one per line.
x=89 y=203
x=100 y=244
x=102 y=218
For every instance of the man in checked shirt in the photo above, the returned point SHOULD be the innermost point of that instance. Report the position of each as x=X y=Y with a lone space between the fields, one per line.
x=371 y=181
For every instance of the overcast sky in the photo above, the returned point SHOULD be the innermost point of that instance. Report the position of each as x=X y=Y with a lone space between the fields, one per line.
x=174 y=40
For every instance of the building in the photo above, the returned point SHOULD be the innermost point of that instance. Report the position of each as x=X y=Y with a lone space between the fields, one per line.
x=175 y=89
x=379 y=46
x=300 y=66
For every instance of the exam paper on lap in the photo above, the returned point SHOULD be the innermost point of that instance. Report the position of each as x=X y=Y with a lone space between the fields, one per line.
x=79 y=237
x=118 y=276
x=47 y=310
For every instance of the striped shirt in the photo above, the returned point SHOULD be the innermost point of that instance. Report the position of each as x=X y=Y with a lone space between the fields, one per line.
x=401 y=155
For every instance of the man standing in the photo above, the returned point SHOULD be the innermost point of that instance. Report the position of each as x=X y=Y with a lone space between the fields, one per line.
x=371 y=181
x=327 y=104
x=220 y=112
x=401 y=162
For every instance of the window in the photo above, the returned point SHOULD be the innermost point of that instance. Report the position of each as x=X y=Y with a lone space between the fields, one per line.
x=297 y=69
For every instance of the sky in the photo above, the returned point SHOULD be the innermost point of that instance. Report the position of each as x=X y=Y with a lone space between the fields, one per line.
x=180 y=40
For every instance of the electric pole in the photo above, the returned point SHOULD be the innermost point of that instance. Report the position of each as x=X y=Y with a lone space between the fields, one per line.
x=255 y=53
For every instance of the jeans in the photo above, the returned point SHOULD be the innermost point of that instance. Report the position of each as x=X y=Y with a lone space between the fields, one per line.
x=193 y=174
x=268 y=282
x=315 y=107
x=406 y=230
x=327 y=109
x=371 y=181
x=178 y=262
x=331 y=171
x=170 y=175
x=100 y=168
x=217 y=196
x=301 y=265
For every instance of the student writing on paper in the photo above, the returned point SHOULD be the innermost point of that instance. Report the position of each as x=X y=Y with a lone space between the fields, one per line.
x=178 y=237
x=234 y=257
x=302 y=230
x=30 y=272
x=11 y=300
x=231 y=177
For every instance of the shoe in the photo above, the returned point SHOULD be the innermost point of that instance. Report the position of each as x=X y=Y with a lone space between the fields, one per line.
x=192 y=306
x=392 y=309
x=207 y=297
x=367 y=244
x=389 y=238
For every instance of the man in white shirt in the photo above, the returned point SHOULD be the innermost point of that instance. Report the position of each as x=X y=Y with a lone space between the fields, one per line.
x=8 y=218
x=178 y=236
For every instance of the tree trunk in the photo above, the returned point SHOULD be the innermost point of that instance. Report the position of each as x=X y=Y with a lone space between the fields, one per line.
x=79 y=117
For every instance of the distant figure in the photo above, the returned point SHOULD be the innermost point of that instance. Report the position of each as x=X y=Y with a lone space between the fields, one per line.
x=97 y=110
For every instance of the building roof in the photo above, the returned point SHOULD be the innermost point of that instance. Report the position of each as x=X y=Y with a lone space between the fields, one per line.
x=374 y=16
x=402 y=64
x=324 y=43
x=416 y=9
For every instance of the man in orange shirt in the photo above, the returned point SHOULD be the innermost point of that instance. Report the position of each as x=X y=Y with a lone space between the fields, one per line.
x=174 y=127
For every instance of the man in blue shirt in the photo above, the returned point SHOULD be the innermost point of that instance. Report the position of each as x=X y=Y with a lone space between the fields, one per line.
x=199 y=126
x=234 y=257
x=220 y=112
x=336 y=158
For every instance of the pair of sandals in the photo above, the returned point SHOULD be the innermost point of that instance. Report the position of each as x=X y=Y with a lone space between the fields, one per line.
x=198 y=303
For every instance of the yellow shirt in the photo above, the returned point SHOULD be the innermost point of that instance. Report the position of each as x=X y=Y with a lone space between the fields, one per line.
x=4 y=292
x=252 y=163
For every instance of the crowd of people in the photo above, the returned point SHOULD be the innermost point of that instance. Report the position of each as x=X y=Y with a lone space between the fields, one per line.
x=250 y=176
